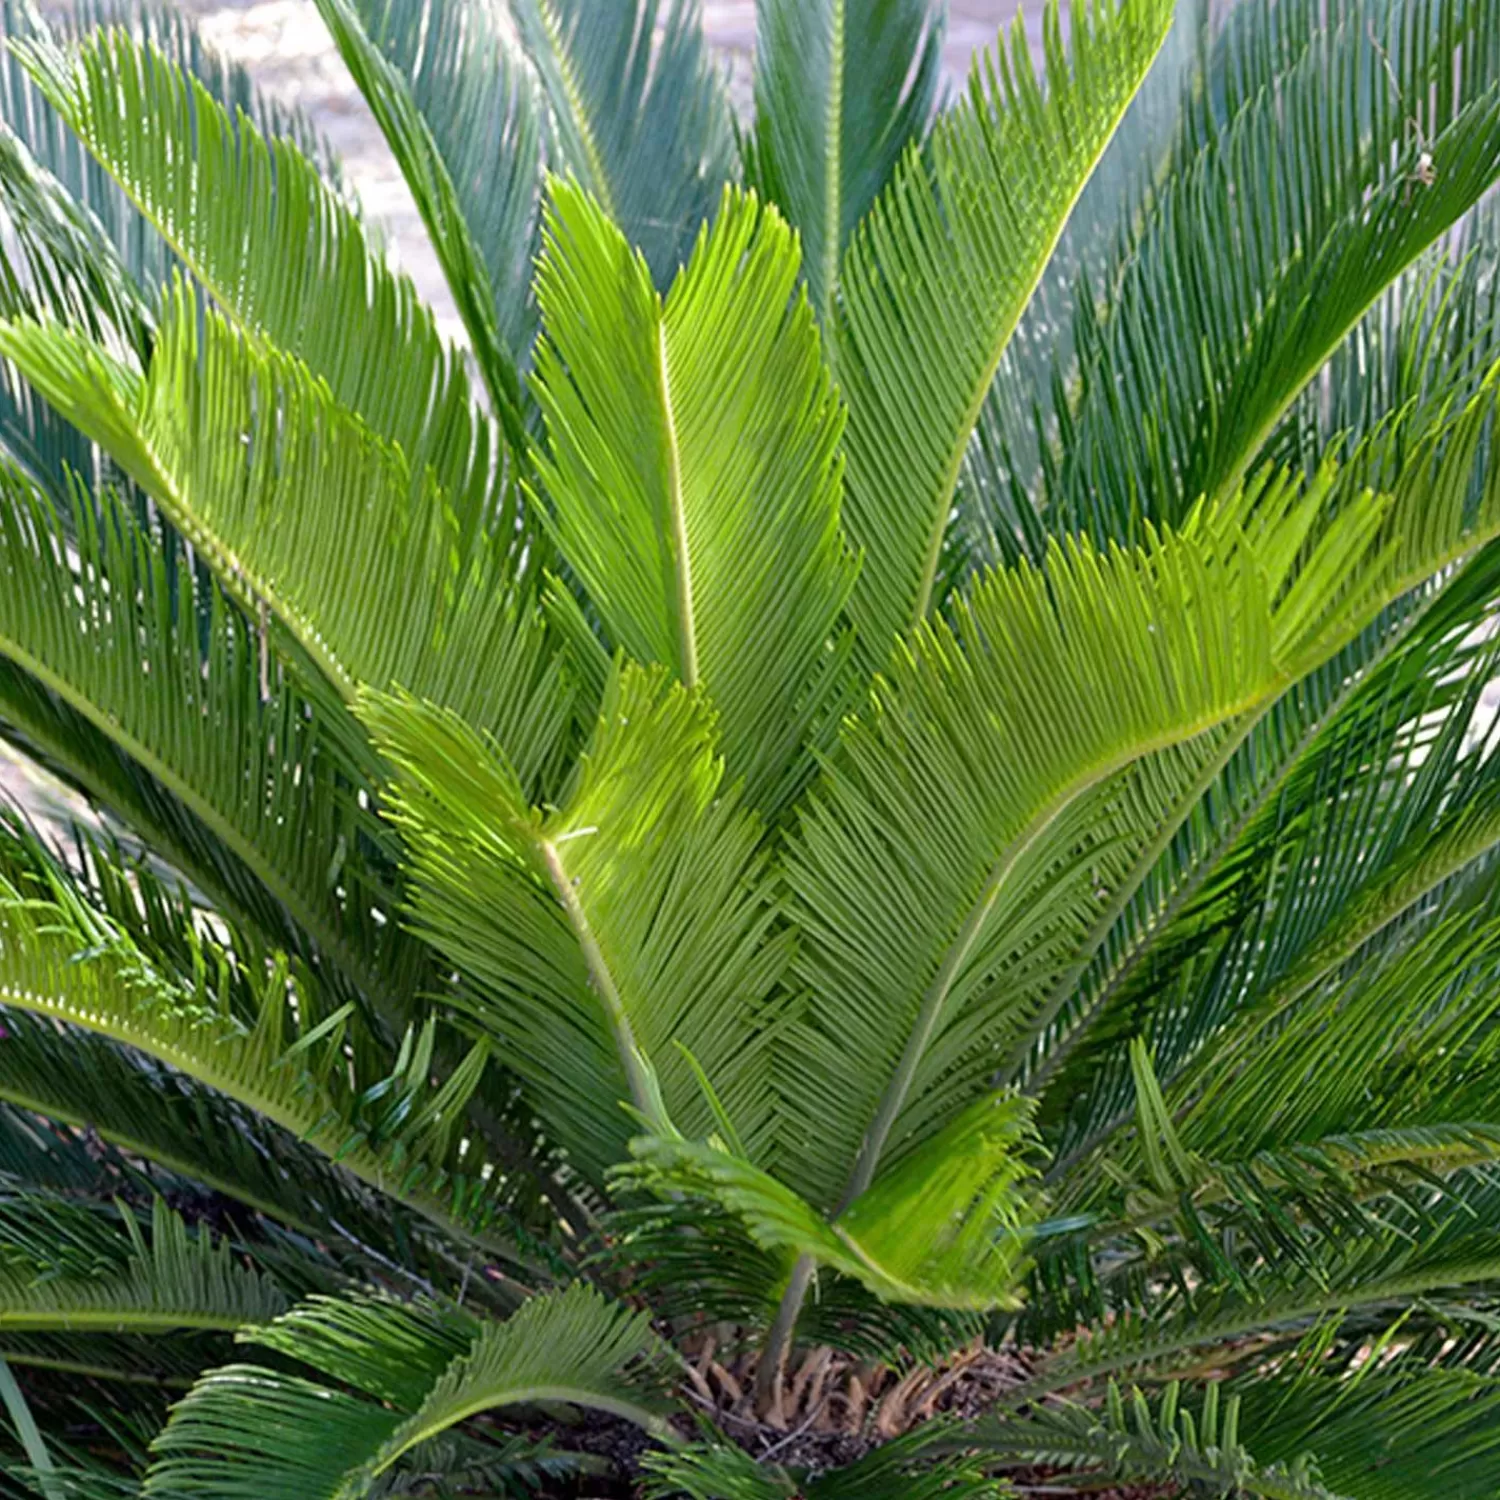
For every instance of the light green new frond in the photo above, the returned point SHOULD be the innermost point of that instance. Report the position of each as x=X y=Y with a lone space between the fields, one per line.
x=945 y=1228
x=301 y=508
x=1004 y=736
x=1125 y=1440
x=635 y=916
x=693 y=472
x=305 y=277
x=639 y=113
x=982 y=747
x=842 y=88
x=173 y=1280
x=246 y=1431
x=937 y=278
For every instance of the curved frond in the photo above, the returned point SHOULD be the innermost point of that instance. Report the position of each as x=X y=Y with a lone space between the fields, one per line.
x=138 y=645
x=169 y=1280
x=994 y=737
x=841 y=90
x=251 y=1036
x=937 y=278
x=485 y=111
x=1124 y=1439
x=693 y=472
x=426 y=173
x=301 y=508
x=307 y=280
x=248 y=1430
x=1300 y=192
x=945 y=1229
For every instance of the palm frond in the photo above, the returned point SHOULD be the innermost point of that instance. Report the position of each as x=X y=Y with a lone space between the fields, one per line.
x=272 y=481
x=155 y=661
x=636 y=914
x=279 y=1051
x=161 y=1119
x=307 y=280
x=1396 y=1428
x=1350 y=1271
x=841 y=91
x=390 y=100
x=901 y=955
x=124 y=1280
x=998 y=514
x=943 y=1230
x=693 y=473
x=247 y=1428
x=1385 y=822
x=1126 y=1441
x=937 y=278
x=640 y=115
x=1267 y=243
x=485 y=112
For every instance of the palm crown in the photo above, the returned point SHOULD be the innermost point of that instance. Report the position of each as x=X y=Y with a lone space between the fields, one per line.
x=861 y=841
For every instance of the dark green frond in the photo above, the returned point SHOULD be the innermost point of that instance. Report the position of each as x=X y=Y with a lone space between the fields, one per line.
x=841 y=90
x=248 y=1430
x=118 y=1278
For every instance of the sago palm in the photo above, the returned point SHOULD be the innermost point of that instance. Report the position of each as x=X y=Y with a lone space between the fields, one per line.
x=851 y=857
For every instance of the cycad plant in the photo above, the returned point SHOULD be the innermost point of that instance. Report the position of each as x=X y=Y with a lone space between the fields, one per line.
x=851 y=857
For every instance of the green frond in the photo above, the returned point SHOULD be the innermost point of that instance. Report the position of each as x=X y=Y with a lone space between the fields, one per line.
x=1351 y=1270
x=171 y=1280
x=254 y=1038
x=1174 y=908
x=692 y=470
x=938 y=276
x=306 y=279
x=158 y=1117
x=1397 y=1428
x=637 y=925
x=390 y=100
x=998 y=736
x=1300 y=191
x=1125 y=1440
x=943 y=1229
x=841 y=90
x=1339 y=862
x=639 y=114
x=248 y=1430
x=121 y=629
x=487 y=119
x=999 y=510
x=302 y=509
x=43 y=132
